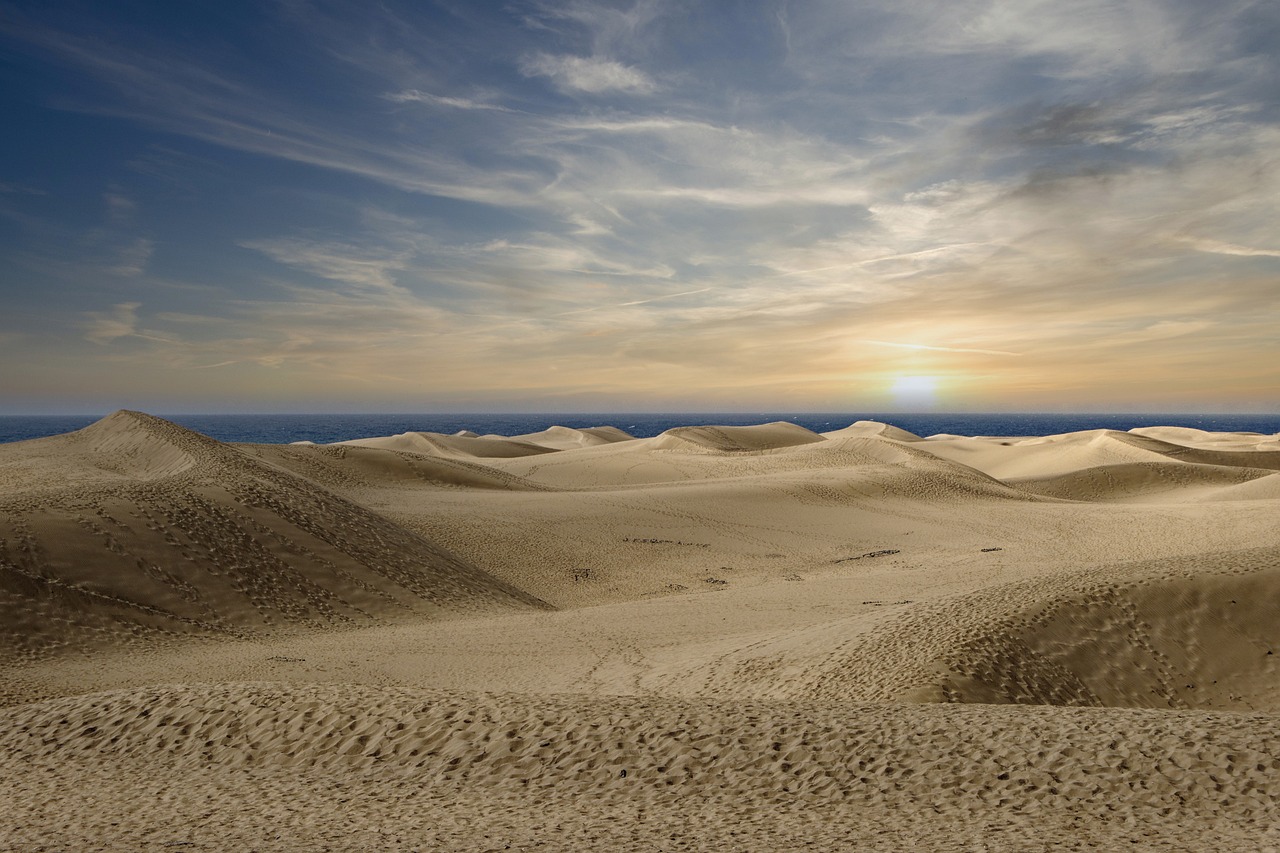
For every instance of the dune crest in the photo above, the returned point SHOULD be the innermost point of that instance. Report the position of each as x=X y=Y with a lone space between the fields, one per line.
x=355 y=467
x=1045 y=457
x=436 y=444
x=736 y=439
x=568 y=438
x=874 y=428
x=1151 y=481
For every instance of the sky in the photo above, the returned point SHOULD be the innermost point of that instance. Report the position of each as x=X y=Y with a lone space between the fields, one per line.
x=662 y=205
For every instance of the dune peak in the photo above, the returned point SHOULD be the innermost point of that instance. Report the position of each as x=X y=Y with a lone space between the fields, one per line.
x=874 y=428
x=778 y=435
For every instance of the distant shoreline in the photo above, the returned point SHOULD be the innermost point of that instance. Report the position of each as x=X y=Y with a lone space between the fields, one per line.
x=324 y=428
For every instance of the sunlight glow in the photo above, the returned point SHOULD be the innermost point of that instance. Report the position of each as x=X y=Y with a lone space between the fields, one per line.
x=914 y=392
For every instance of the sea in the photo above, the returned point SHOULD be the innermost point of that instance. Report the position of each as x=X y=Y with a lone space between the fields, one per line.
x=321 y=429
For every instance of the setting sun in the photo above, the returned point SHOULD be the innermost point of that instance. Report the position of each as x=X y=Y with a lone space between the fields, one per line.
x=914 y=391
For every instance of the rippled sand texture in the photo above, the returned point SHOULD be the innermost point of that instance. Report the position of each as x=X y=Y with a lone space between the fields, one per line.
x=721 y=638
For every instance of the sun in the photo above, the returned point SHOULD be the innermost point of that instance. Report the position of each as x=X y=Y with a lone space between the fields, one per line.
x=915 y=392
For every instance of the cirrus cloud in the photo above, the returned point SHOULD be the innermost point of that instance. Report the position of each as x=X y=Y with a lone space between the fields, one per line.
x=588 y=74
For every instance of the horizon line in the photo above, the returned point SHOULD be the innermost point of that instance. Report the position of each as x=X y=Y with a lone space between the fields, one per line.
x=792 y=412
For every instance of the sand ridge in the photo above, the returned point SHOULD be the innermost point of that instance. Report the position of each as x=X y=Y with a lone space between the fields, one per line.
x=762 y=638
x=1047 y=456
x=451 y=445
x=568 y=438
x=1144 y=481
x=342 y=466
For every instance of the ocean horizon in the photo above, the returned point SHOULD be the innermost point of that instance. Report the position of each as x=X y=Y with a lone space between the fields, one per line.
x=326 y=428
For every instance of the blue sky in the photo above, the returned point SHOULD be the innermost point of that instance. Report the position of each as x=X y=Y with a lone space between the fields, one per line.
x=581 y=206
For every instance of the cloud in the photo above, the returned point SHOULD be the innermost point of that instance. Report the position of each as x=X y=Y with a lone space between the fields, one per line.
x=1217 y=247
x=132 y=259
x=1099 y=37
x=864 y=176
x=608 y=28
x=19 y=189
x=176 y=93
x=588 y=74
x=120 y=208
x=556 y=255
x=105 y=327
x=637 y=302
x=1162 y=330
x=369 y=267
x=651 y=124
x=415 y=96
x=120 y=322
x=926 y=348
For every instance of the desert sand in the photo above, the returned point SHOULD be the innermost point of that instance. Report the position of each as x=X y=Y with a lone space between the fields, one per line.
x=721 y=638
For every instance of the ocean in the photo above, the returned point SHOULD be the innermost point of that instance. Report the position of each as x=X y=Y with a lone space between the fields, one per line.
x=282 y=429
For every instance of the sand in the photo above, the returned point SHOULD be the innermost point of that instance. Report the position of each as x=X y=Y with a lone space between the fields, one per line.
x=720 y=638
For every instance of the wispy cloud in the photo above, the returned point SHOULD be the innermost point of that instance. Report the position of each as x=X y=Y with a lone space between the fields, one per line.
x=927 y=348
x=334 y=261
x=120 y=208
x=418 y=97
x=20 y=189
x=1162 y=330
x=132 y=259
x=588 y=74
x=635 y=302
x=105 y=327
x=1217 y=247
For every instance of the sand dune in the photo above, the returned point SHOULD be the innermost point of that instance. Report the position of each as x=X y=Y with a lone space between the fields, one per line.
x=736 y=439
x=1176 y=634
x=1191 y=437
x=1260 y=489
x=568 y=438
x=345 y=467
x=1145 y=481
x=674 y=457
x=134 y=526
x=1182 y=633
x=1053 y=455
x=435 y=444
x=765 y=638
x=1229 y=452
x=873 y=428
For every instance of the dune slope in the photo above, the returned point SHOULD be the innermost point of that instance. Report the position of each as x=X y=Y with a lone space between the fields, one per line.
x=435 y=444
x=1194 y=633
x=134 y=525
x=1149 y=481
